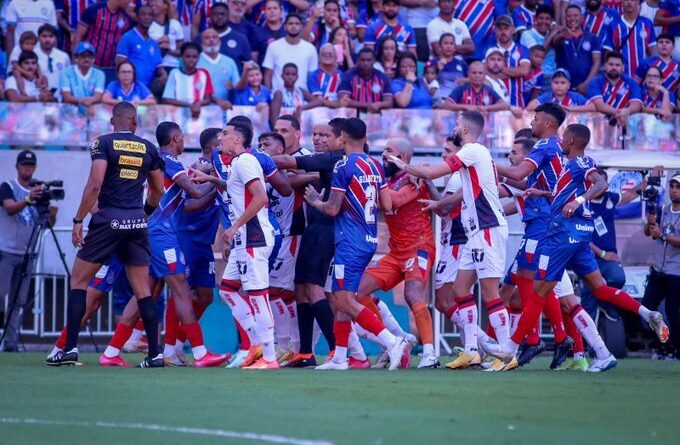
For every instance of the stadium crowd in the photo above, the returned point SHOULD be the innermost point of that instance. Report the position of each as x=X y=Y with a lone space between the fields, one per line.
x=616 y=57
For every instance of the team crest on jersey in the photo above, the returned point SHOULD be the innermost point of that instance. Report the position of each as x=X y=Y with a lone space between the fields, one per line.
x=341 y=163
x=94 y=148
x=582 y=163
x=586 y=46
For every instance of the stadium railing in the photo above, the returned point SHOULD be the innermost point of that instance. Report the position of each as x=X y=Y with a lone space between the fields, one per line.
x=57 y=125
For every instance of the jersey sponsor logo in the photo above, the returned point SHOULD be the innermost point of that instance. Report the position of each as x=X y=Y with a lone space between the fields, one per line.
x=126 y=173
x=583 y=228
x=371 y=239
x=131 y=161
x=131 y=146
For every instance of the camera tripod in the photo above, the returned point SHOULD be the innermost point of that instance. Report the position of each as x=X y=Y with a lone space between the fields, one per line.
x=28 y=264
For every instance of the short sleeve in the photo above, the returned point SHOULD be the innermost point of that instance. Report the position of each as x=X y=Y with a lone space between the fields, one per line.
x=369 y=37
x=635 y=93
x=339 y=182
x=248 y=169
x=11 y=84
x=98 y=149
x=578 y=98
x=544 y=98
x=144 y=91
x=537 y=156
x=615 y=198
x=100 y=80
x=387 y=87
x=494 y=95
x=11 y=15
x=464 y=30
x=6 y=192
x=169 y=90
x=111 y=88
x=267 y=163
x=346 y=84
x=209 y=90
x=398 y=85
x=233 y=76
x=52 y=15
x=467 y=155
x=313 y=85
x=432 y=32
x=176 y=30
x=64 y=84
x=457 y=94
x=268 y=61
x=411 y=39
x=524 y=55
x=122 y=49
x=642 y=69
x=313 y=60
x=594 y=88
x=173 y=168
x=156 y=161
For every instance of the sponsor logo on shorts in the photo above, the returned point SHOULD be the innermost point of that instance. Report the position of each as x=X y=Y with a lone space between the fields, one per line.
x=478 y=255
x=126 y=173
x=128 y=224
x=131 y=161
x=131 y=146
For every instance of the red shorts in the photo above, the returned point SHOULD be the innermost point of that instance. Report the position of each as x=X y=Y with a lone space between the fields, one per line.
x=394 y=268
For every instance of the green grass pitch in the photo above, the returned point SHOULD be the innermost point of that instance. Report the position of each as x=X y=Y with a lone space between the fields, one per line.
x=637 y=403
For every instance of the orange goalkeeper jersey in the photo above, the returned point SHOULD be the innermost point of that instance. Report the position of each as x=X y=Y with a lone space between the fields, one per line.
x=409 y=226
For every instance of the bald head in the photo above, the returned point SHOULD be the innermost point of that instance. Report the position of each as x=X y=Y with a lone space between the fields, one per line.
x=402 y=148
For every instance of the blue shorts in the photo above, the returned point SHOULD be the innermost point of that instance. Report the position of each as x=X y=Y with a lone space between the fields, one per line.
x=509 y=275
x=166 y=255
x=535 y=230
x=107 y=275
x=200 y=262
x=349 y=263
x=122 y=292
x=558 y=251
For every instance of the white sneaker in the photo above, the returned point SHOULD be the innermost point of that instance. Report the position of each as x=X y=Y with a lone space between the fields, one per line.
x=395 y=353
x=382 y=361
x=137 y=346
x=176 y=361
x=659 y=326
x=496 y=350
x=411 y=339
x=429 y=361
x=333 y=366
x=237 y=361
x=603 y=364
x=53 y=352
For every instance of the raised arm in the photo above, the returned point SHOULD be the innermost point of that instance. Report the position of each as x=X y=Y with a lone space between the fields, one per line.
x=331 y=207
x=518 y=172
x=424 y=171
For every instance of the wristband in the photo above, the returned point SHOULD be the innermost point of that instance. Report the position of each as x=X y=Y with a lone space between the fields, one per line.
x=603 y=254
x=580 y=199
x=77 y=221
x=148 y=208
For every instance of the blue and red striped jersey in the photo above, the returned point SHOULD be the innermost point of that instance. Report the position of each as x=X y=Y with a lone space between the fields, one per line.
x=104 y=31
x=631 y=41
x=478 y=15
x=402 y=33
x=671 y=8
x=670 y=72
x=73 y=9
x=572 y=183
x=172 y=202
x=523 y=18
x=514 y=57
x=360 y=178
x=600 y=23
x=325 y=84
x=572 y=98
x=466 y=94
x=617 y=94
x=546 y=156
x=371 y=90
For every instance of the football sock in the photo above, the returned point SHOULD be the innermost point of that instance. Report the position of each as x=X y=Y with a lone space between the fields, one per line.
x=553 y=312
x=530 y=315
x=572 y=331
x=424 y=324
x=199 y=308
x=293 y=329
x=280 y=314
x=137 y=332
x=468 y=319
x=499 y=320
x=195 y=336
x=240 y=309
x=367 y=320
x=316 y=335
x=388 y=320
x=620 y=299
x=305 y=319
x=75 y=310
x=588 y=329
x=149 y=316
x=342 y=330
x=61 y=341
x=171 y=327
x=323 y=314
x=356 y=350
x=370 y=302
x=120 y=336
x=514 y=315
x=264 y=322
x=243 y=336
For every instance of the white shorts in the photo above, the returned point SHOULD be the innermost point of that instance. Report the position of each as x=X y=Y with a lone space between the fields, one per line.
x=564 y=287
x=447 y=266
x=484 y=252
x=250 y=266
x=282 y=274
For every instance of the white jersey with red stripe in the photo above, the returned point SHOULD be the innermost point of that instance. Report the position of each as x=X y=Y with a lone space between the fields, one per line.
x=291 y=211
x=481 y=208
x=258 y=232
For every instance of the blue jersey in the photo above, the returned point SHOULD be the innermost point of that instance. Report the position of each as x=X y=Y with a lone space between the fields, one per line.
x=632 y=42
x=514 y=57
x=172 y=203
x=572 y=183
x=200 y=226
x=478 y=16
x=361 y=178
x=547 y=158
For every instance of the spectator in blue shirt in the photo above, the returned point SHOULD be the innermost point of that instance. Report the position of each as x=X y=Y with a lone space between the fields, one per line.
x=139 y=48
x=542 y=34
x=451 y=68
x=410 y=91
x=389 y=24
x=232 y=44
x=560 y=94
x=577 y=50
x=126 y=88
x=223 y=70
x=250 y=91
x=613 y=93
x=82 y=83
x=655 y=98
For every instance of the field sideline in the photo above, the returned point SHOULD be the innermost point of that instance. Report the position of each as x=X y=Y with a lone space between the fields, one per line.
x=637 y=403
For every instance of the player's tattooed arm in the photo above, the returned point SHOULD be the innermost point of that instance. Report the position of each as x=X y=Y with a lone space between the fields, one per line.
x=599 y=186
x=330 y=207
x=422 y=171
x=517 y=172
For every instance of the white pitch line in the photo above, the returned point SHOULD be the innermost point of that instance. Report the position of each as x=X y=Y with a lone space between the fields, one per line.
x=170 y=429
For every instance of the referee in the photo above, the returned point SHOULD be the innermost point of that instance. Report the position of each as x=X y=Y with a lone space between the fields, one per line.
x=121 y=163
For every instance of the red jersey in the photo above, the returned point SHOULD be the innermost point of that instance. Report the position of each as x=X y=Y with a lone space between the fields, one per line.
x=409 y=226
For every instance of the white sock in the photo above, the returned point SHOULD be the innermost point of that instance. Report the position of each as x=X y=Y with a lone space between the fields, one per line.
x=356 y=350
x=514 y=319
x=316 y=334
x=199 y=352
x=293 y=329
x=111 y=352
x=363 y=333
x=387 y=338
x=468 y=320
x=428 y=349
x=644 y=313
x=470 y=335
x=340 y=355
x=240 y=310
x=179 y=347
x=586 y=326
x=264 y=321
x=168 y=350
x=389 y=321
x=499 y=322
x=136 y=336
x=280 y=313
x=455 y=318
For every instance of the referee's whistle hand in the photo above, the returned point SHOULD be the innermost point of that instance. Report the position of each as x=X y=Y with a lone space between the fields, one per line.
x=77 y=236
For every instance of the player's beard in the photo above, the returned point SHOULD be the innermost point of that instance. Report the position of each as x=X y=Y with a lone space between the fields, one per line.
x=457 y=140
x=390 y=169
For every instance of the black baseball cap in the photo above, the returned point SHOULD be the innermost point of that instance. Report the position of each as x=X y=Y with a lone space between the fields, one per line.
x=26 y=157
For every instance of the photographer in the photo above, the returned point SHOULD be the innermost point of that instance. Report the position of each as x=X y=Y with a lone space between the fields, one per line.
x=664 y=276
x=17 y=218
